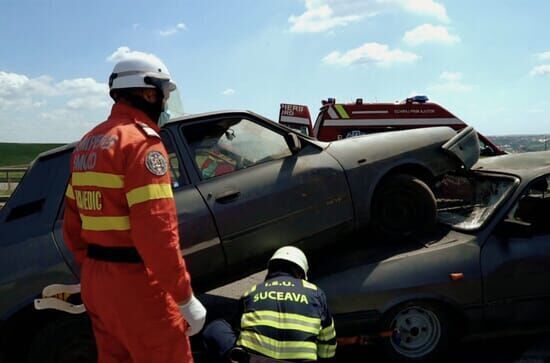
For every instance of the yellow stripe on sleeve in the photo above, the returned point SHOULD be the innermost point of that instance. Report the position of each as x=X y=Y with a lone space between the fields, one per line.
x=149 y=192
x=326 y=350
x=327 y=333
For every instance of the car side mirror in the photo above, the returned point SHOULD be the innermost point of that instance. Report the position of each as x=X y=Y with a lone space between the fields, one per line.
x=293 y=142
x=514 y=228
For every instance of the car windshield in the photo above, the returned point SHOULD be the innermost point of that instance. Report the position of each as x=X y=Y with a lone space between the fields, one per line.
x=467 y=201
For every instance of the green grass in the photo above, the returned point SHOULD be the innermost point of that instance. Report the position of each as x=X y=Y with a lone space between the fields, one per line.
x=12 y=154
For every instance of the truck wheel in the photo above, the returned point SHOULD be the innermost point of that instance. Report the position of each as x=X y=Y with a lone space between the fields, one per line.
x=68 y=339
x=421 y=332
x=403 y=206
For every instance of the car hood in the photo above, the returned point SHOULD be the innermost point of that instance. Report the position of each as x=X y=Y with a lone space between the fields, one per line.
x=380 y=146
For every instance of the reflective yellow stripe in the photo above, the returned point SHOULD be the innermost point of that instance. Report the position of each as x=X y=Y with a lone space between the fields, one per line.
x=281 y=321
x=102 y=180
x=327 y=333
x=309 y=285
x=341 y=111
x=277 y=349
x=69 y=193
x=105 y=223
x=149 y=192
x=252 y=289
x=326 y=350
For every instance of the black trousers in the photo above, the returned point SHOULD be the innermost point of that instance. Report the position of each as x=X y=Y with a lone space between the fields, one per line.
x=219 y=338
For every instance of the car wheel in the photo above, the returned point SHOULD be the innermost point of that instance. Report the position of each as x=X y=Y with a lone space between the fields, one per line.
x=403 y=206
x=421 y=331
x=66 y=340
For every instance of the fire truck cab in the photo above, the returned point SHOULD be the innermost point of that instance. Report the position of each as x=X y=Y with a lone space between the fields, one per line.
x=343 y=120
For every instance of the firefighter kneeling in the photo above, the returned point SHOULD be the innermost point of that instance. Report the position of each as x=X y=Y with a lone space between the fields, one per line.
x=283 y=318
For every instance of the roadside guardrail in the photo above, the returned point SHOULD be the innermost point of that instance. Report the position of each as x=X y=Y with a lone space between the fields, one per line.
x=9 y=178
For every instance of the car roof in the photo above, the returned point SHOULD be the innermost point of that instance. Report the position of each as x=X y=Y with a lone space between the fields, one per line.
x=195 y=116
x=185 y=118
x=529 y=164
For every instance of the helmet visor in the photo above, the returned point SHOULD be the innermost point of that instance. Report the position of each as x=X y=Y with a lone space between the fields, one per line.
x=165 y=85
x=174 y=104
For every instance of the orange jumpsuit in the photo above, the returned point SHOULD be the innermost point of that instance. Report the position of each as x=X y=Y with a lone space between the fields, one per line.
x=119 y=195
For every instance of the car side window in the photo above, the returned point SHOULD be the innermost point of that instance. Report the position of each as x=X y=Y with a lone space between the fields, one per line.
x=173 y=161
x=222 y=146
x=485 y=150
x=533 y=206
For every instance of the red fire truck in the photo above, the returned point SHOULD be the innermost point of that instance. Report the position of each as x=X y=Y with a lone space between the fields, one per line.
x=342 y=120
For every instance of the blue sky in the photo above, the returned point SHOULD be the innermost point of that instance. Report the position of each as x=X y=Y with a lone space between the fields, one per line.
x=486 y=61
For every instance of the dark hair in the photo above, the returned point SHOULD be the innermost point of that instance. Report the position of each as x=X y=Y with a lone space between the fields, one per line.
x=288 y=267
x=124 y=93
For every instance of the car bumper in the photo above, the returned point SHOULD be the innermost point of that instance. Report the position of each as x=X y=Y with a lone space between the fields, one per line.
x=359 y=323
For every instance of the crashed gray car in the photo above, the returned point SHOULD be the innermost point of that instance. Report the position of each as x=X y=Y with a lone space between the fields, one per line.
x=243 y=186
x=484 y=269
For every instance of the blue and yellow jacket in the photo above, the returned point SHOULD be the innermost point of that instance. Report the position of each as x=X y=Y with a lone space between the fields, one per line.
x=288 y=319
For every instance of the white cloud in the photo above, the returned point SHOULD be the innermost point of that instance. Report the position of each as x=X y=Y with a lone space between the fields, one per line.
x=541 y=70
x=370 y=53
x=451 y=76
x=324 y=15
x=46 y=110
x=428 y=33
x=88 y=103
x=13 y=85
x=125 y=53
x=319 y=18
x=173 y=30
x=544 y=55
x=451 y=82
x=228 y=92
x=426 y=7
x=82 y=86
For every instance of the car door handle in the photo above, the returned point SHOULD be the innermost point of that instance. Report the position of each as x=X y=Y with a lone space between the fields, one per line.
x=227 y=196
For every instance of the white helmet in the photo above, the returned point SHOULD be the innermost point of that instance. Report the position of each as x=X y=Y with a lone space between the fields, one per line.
x=141 y=73
x=291 y=254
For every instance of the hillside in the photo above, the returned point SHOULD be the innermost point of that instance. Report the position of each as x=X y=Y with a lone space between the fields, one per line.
x=522 y=143
x=13 y=154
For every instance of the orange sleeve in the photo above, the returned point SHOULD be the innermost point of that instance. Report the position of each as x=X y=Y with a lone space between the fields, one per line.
x=72 y=227
x=153 y=216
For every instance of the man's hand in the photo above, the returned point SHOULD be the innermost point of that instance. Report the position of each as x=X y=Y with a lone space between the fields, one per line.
x=195 y=314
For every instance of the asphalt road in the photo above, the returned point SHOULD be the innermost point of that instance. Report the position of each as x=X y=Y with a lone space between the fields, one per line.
x=534 y=348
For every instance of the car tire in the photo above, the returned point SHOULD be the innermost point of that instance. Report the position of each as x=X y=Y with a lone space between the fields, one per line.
x=403 y=206
x=422 y=331
x=68 y=339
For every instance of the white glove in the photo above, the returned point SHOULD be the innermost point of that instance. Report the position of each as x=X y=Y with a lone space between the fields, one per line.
x=195 y=315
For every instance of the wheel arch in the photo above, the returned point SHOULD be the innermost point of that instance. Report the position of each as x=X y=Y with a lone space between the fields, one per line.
x=415 y=169
x=453 y=308
x=21 y=326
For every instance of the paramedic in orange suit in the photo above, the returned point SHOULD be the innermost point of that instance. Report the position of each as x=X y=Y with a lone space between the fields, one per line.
x=121 y=224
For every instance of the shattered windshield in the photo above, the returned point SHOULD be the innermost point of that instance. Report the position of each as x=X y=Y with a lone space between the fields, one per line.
x=467 y=201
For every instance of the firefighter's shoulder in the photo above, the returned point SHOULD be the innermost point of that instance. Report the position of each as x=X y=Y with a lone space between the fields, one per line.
x=309 y=285
x=146 y=130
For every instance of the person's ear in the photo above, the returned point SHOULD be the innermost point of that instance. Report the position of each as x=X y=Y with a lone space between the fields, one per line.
x=150 y=95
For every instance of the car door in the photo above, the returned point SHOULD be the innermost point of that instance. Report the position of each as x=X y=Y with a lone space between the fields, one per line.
x=261 y=193
x=515 y=261
x=199 y=238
